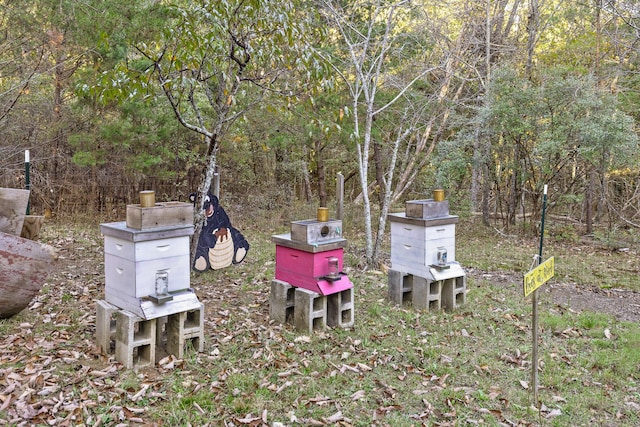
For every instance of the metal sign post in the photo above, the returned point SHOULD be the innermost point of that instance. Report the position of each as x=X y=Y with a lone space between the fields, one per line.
x=27 y=178
x=534 y=305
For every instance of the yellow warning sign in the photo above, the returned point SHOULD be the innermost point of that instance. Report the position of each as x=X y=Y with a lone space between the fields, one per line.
x=538 y=276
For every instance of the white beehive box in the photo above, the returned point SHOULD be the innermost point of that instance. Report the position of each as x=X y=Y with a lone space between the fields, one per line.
x=133 y=258
x=415 y=242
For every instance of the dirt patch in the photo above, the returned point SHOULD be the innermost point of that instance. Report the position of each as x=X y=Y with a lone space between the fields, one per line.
x=623 y=304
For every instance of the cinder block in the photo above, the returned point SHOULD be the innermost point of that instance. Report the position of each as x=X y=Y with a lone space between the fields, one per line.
x=400 y=287
x=135 y=340
x=161 y=331
x=185 y=328
x=426 y=294
x=106 y=327
x=310 y=311
x=454 y=292
x=340 y=309
x=281 y=301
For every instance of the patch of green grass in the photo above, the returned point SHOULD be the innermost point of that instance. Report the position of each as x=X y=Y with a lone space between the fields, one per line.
x=576 y=261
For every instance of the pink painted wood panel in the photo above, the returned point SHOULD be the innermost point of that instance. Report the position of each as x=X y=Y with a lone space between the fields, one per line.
x=320 y=286
x=306 y=263
x=305 y=269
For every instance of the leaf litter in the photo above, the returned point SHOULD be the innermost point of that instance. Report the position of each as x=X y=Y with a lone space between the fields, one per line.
x=52 y=374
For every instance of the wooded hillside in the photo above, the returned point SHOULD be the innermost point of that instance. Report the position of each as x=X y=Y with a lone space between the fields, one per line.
x=490 y=100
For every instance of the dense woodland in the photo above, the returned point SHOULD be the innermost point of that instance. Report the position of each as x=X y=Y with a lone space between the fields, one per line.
x=490 y=100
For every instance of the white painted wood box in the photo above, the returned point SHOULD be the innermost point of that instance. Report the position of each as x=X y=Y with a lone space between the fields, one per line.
x=415 y=242
x=134 y=259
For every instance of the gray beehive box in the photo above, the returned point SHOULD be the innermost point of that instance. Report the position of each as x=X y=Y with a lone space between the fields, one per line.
x=313 y=231
x=426 y=209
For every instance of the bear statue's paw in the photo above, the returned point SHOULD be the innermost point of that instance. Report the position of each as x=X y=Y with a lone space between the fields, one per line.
x=200 y=264
x=240 y=254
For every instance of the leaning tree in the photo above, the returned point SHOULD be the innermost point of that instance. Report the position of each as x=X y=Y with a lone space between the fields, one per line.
x=214 y=61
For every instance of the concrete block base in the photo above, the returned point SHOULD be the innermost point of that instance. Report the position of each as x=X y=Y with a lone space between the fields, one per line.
x=281 y=301
x=185 y=330
x=454 y=292
x=340 y=309
x=310 y=311
x=135 y=341
x=106 y=327
x=400 y=287
x=425 y=294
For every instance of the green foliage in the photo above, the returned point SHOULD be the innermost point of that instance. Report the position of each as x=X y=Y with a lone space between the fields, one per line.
x=140 y=137
x=553 y=130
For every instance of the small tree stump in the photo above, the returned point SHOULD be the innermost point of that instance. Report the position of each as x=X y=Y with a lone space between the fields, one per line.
x=13 y=208
x=31 y=226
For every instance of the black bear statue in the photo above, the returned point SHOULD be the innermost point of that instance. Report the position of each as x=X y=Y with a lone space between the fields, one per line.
x=220 y=244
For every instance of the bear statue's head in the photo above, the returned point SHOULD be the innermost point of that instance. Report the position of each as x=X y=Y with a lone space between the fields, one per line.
x=210 y=204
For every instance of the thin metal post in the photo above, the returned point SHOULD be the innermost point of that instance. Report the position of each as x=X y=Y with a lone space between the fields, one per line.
x=27 y=178
x=534 y=309
x=339 y=195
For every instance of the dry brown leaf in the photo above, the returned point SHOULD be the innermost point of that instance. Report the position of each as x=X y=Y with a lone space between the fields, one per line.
x=283 y=386
x=335 y=418
x=140 y=393
x=364 y=367
x=320 y=400
x=248 y=419
x=358 y=395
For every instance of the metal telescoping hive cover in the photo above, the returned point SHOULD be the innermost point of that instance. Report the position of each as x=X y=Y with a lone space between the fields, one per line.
x=313 y=231
x=426 y=209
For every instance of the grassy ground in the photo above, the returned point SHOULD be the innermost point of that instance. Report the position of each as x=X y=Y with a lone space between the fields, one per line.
x=395 y=367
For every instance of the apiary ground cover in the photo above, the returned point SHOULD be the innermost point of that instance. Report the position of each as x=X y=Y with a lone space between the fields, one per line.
x=395 y=367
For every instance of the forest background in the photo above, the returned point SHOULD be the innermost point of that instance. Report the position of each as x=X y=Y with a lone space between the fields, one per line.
x=487 y=99
x=490 y=100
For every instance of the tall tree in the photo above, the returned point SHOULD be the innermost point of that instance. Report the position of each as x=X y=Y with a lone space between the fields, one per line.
x=380 y=57
x=553 y=130
x=217 y=60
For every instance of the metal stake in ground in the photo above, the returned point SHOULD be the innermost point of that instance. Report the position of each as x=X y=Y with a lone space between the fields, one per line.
x=27 y=179
x=534 y=309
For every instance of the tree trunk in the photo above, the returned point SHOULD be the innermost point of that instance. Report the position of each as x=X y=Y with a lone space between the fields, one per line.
x=512 y=207
x=486 y=187
x=589 y=202
x=533 y=22
x=377 y=159
x=199 y=216
x=321 y=173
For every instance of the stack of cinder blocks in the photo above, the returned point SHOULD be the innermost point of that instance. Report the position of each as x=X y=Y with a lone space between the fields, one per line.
x=304 y=292
x=134 y=340
x=308 y=310
x=418 y=276
x=426 y=294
